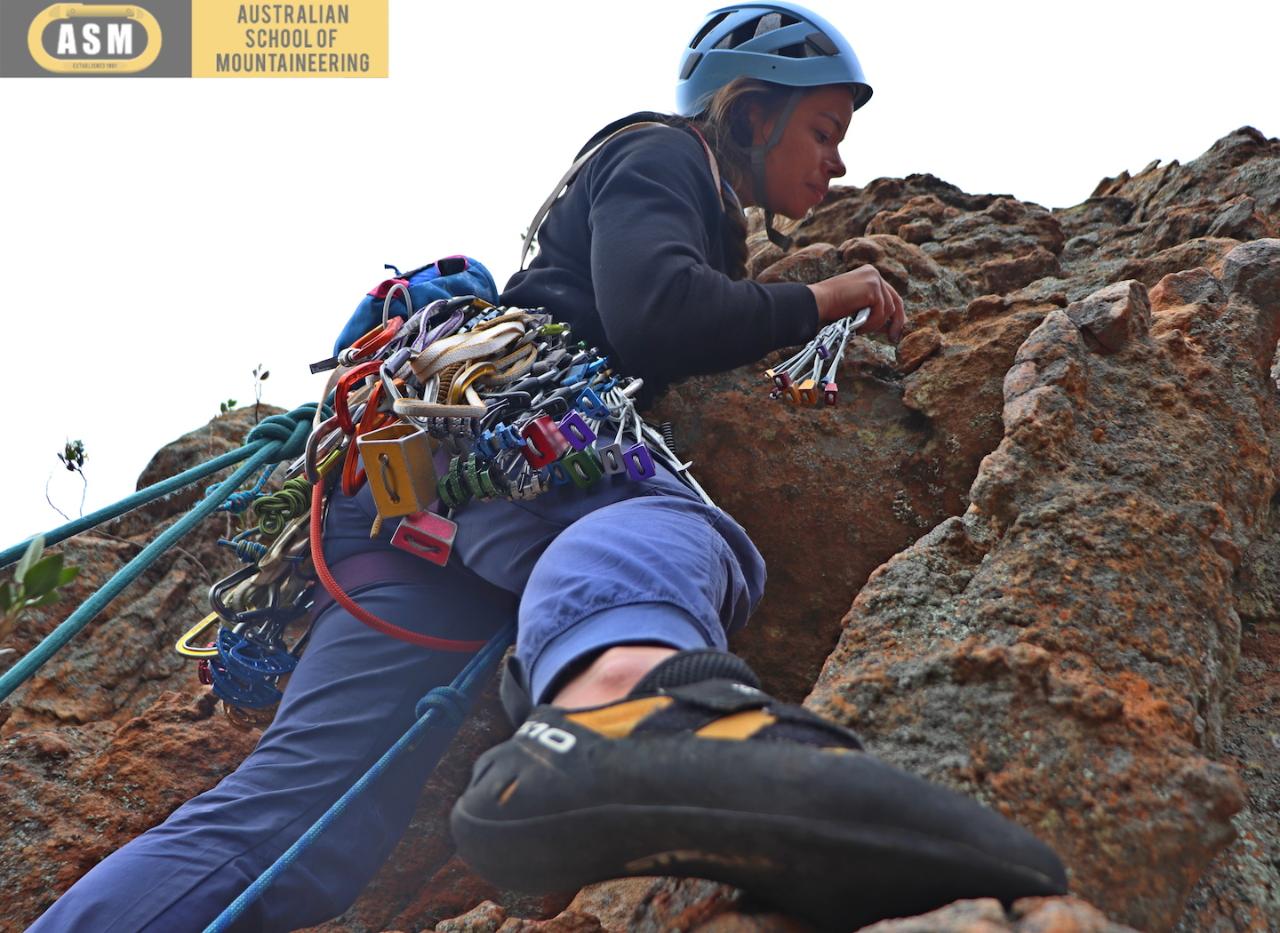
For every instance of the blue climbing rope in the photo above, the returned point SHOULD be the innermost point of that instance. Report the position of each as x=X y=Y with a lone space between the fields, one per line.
x=279 y=437
x=238 y=502
x=448 y=703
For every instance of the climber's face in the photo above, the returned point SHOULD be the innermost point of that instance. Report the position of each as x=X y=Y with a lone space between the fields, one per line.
x=799 y=169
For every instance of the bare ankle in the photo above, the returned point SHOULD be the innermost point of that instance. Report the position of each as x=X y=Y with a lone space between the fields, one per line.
x=612 y=675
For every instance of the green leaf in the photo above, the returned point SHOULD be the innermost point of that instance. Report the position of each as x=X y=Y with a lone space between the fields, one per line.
x=67 y=575
x=34 y=550
x=48 y=599
x=42 y=576
x=6 y=596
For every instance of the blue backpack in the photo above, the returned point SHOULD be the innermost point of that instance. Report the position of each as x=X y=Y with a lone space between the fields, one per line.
x=445 y=278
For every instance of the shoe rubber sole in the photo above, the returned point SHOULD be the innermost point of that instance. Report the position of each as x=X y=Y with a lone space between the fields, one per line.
x=836 y=875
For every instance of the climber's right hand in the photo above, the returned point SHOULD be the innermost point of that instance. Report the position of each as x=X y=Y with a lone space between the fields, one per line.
x=850 y=292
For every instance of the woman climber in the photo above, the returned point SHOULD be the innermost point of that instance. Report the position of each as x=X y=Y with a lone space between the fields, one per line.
x=643 y=746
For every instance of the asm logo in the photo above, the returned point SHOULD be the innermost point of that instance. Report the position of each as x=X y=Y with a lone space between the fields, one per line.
x=89 y=37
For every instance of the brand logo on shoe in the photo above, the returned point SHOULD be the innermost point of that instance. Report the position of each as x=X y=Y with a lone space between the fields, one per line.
x=745 y=690
x=555 y=739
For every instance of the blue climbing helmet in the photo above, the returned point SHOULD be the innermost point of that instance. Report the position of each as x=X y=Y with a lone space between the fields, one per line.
x=777 y=42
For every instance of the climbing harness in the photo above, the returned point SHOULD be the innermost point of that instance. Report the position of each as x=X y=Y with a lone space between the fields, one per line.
x=809 y=377
x=460 y=401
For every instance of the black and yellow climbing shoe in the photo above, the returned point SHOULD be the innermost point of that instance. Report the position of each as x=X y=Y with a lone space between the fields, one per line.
x=699 y=773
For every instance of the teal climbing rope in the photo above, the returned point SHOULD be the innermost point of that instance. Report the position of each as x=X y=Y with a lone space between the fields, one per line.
x=279 y=437
x=131 y=502
x=441 y=708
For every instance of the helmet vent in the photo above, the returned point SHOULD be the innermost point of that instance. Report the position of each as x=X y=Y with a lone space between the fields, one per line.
x=821 y=44
x=768 y=23
x=710 y=25
x=812 y=47
x=747 y=31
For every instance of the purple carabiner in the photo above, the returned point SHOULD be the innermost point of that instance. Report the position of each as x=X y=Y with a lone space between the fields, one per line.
x=444 y=329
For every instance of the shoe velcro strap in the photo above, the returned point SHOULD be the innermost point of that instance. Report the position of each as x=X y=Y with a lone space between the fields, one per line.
x=820 y=734
x=794 y=720
x=721 y=696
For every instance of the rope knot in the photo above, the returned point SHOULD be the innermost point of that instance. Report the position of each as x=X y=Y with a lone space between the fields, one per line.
x=451 y=701
x=290 y=430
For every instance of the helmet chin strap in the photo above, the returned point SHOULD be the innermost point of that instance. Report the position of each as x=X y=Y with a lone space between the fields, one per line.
x=758 y=154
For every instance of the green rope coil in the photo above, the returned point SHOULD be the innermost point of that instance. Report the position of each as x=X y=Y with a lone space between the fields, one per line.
x=276 y=510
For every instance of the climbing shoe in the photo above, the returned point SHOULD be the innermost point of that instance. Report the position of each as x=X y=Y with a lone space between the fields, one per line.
x=699 y=773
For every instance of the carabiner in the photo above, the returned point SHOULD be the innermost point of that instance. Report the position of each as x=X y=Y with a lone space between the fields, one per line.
x=371 y=343
x=223 y=586
x=200 y=631
x=371 y=420
x=394 y=286
x=345 y=384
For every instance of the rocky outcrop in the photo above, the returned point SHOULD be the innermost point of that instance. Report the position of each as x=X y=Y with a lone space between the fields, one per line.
x=1053 y=506
x=1036 y=651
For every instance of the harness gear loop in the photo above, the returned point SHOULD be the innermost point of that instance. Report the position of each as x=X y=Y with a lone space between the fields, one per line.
x=334 y=589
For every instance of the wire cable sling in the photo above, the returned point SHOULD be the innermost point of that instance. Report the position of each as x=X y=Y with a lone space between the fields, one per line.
x=448 y=703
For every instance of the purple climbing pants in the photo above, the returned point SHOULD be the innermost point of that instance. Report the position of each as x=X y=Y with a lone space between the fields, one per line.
x=623 y=563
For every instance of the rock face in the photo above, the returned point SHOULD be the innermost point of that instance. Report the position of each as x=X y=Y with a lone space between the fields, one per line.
x=1037 y=651
x=1051 y=510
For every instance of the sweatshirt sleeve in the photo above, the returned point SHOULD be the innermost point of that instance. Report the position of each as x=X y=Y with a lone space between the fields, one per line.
x=665 y=310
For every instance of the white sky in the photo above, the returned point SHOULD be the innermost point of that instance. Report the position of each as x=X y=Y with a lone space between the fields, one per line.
x=159 y=238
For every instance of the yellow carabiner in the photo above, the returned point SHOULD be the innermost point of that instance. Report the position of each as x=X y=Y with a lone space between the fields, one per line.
x=200 y=630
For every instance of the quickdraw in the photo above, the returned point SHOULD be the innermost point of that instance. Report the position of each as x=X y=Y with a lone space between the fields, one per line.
x=461 y=401
x=809 y=377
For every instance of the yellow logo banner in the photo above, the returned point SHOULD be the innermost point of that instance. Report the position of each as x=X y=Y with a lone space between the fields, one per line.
x=233 y=39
